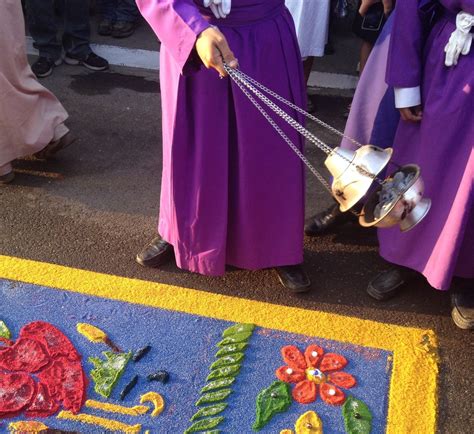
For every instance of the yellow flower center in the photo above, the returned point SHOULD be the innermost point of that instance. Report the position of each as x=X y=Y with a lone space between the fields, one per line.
x=315 y=375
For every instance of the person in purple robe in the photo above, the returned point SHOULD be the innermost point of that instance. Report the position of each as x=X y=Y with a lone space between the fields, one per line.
x=232 y=191
x=431 y=68
x=372 y=119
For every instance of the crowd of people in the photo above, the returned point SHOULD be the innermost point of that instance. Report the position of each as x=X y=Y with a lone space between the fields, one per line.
x=227 y=199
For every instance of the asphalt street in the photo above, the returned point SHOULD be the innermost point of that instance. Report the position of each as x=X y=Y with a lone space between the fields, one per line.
x=96 y=204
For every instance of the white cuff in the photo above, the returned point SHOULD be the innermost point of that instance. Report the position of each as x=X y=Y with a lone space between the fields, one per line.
x=407 y=97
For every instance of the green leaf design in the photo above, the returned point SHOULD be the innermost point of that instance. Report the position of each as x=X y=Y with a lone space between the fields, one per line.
x=204 y=424
x=218 y=384
x=210 y=410
x=231 y=359
x=235 y=339
x=357 y=416
x=214 y=431
x=238 y=328
x=271 y=401
x=212 y=397
x=226 y=371
x=4 y=332
x=107 y=372
x=231 y=349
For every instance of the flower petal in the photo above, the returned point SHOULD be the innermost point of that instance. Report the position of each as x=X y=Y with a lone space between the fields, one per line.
x=305 y=392
x=331 y=394
x=293 y=357
x=290 y=375
x=313 y=355
x=332 y=362
x=342 y=379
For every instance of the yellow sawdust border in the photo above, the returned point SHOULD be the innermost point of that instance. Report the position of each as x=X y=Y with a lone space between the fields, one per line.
x=412 y=406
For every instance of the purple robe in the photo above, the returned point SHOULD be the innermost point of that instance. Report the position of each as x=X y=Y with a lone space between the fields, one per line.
x=373 y=117
x=232 y=191
x=442 y=245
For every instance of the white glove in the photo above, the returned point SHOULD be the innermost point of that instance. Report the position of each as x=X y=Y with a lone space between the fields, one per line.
x=460 y=40
x=220 y=8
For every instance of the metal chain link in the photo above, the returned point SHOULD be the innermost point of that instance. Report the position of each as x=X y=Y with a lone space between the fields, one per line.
x=284 y=136
x=239 y=77
x=298 y=109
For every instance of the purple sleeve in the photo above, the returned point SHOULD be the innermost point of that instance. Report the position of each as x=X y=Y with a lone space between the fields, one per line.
x=404 y=66
x=177 y=23
x=459 y=5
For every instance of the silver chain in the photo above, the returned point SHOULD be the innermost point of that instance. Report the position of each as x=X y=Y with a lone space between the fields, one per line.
x=298 y=109
x=242 y=79
x=283 y=135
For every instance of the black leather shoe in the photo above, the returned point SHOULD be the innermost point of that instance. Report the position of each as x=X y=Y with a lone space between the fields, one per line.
x=390 y=282
x=326 y=220
x=463 y=309
x=294 y=278
x=155 y=254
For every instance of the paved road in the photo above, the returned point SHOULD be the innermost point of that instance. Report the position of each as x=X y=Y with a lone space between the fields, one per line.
x=95 y=206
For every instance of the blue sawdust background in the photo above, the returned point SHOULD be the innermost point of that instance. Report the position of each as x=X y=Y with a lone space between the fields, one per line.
x=184 y=345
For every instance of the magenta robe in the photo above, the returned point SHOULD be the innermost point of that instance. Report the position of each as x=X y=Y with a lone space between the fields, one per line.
x=442 y=245
x=232 y=191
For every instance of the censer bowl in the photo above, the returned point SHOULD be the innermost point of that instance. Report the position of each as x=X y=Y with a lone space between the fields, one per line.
x=350 y=183
x=407 y=210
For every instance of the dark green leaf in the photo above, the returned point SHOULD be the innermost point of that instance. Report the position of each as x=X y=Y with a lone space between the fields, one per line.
x=238 y=328
x=212 y=397
x=218 y=384
x=204 y=424
x=275 y=399
x=226 y=371
x=231 y=349
x=357 y=416
x=210 y=410
x=231 y=359
x=235 y=339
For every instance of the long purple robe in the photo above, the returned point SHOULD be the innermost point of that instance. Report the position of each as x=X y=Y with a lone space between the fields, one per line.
x=232 y=191
x=442 y=245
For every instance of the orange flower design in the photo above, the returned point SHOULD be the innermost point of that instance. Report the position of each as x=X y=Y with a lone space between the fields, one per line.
x=315 y=370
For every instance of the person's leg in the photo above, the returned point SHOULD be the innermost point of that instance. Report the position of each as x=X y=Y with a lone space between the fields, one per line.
x=307 y=67
x=365 y=51
x=107 y=10
x=127 y=15
x=43 y=28
x=77 y=35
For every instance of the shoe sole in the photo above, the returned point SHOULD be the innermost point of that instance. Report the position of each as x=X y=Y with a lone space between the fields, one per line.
x=75 y=62
x=50 y=71
x=123 y=35
x=460 y=321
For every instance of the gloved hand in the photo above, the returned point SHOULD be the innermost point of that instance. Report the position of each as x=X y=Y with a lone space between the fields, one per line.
x=220 y=8
x=461 y=39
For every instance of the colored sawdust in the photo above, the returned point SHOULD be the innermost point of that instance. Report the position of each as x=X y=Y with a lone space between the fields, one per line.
x=107 y=372
x=136 y=410
x=109 y=424
x=156 y=399
x=415 y=360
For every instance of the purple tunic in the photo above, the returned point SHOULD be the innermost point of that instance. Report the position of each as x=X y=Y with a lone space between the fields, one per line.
x=232 y=191
x=442 y=245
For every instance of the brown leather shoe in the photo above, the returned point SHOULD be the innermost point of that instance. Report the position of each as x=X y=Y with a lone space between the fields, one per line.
x=294 y=278
x=53 y=148
x=157 y=253
x=463 y=308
